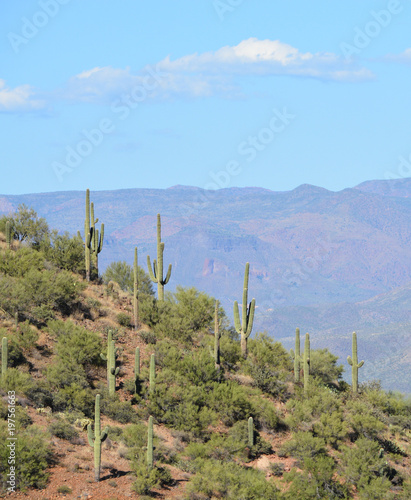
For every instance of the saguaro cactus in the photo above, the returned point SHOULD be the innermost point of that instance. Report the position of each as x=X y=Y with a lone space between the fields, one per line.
x=244 y=328
x=305 y=359
x=296 y=356
x=4 y=356
x=87 y=236
x=156 y=273
x=96 y=438
x=152 y=381
x=112 y=371
x=217 y=337
x=354 y=363
x=250 y=432
x=8 y=234
x=150 y=447
x=135 y=291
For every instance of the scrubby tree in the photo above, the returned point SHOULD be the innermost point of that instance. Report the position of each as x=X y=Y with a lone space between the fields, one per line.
x=25 y=225
x=122 y=273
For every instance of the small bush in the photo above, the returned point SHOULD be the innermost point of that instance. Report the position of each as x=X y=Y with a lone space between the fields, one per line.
x=124 y=319
x=63 y=430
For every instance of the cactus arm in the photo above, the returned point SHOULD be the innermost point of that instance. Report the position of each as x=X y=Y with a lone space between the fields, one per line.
x=168 y=275
x=237 y=323
x=100 y=243
x=150 y=269
x=360 y=364
x=103 y=357
x=104 y=435
x=90 y=436
x=349 y=360
x=250 y=318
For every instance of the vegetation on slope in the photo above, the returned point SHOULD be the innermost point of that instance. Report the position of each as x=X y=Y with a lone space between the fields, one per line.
x=322 y=442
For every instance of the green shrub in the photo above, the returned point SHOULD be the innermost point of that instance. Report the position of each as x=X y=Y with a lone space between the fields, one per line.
x=314 y=482
x=230 y=402
x=332 y=428
x=304 y=445
x=74 y=397
x=33 y=456
x=229 y=480
x=124 y=319
x=123 y=274
x=16 y=380
x=323 y=364
x=63 y=430
x=64 y=251
x=112 y=407
x=79 y=346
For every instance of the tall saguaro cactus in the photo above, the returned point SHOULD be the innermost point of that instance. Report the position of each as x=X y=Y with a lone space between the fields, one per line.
x=245 y=326
x=135 y=291
x=296 y=356
x=4 y=356
x=96 y=438
x=112 y=371
x=150 y=447
x=93 y=242
x=217 y=337
x=305 y=360
x=353 y=362
x=156 y=273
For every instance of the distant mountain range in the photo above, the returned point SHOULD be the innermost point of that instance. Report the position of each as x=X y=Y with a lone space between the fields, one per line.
x=328 y=262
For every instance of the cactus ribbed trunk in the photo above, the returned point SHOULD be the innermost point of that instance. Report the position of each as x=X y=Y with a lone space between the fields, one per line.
x=96 y=438
x=8 y=234
x=250 y=432
x=135 y=291
x=296 y=356
x=306 y=361
x=354 y=363
x=87 y=236
x=150 y=448
x=245 y=326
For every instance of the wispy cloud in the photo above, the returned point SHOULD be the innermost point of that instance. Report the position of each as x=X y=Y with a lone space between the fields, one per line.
x=20 y=99
x=216 y=73
x=403 y=57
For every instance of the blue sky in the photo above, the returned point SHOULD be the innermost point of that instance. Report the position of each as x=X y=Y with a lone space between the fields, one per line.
x=212 y=93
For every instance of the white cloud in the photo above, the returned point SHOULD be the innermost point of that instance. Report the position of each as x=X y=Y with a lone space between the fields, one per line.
x=403 y=57
x=19 y=99
x=214 y=73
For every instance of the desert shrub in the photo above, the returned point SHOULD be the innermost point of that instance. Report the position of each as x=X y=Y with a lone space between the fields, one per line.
x=149 y=478
x=15 y=355
x=26 y=336
x=362 y=463
x=123 y=274
x=230 y=402
x=332 y=428
x=63 y=430
x=323 y=365
x=360 y=417
x=112 y=407
x=79 y=346
x=124 y=319
x=228 y=480
x=16 y=380
x=18 y=263
x=304 y=445
x=266 y=414
x=64 y=251
x=40 y=394
x=73 y=397
x=33 y=456
x=230 y=348
x=239 y=435
x=315 y=481
x=148 y=337
x=304 y=410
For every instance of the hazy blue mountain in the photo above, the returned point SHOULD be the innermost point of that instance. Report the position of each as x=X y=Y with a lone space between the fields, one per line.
x=329 y=262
